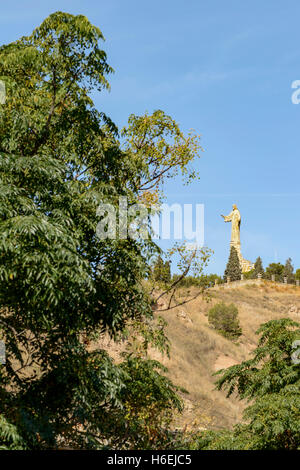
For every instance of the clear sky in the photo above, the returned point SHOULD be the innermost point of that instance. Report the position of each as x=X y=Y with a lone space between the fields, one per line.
x=225 y=69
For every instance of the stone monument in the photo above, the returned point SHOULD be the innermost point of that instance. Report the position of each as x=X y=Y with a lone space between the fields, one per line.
x=235 y=218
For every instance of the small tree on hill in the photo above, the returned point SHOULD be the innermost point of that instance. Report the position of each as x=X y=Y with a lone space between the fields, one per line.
x=249 y=274
x=289 y=271
x=233 y=268
x=224 y=318
x=276 y=269
x=297 y=275
x=258 y=268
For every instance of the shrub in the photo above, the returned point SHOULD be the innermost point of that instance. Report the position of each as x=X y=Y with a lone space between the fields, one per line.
x=224 y=318
x=277 y=269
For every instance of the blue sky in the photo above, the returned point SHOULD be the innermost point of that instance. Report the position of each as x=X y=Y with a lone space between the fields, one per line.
x=224 y=69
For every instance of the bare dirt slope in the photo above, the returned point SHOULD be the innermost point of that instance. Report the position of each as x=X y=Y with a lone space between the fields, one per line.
x=197 y=351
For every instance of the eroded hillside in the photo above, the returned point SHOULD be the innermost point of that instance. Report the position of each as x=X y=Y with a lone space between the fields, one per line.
x=198 y=351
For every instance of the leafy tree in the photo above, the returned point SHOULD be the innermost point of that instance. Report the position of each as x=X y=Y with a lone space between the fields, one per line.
x=233 y=268
x=258 y=268
x=9 y=436
x=150 y=400
x=270 y=380
x=297 y=274
x=224 y=318
x=60 y=284
x=160 y=150
x=249 y=274
x=288 y=271
x=276 y=269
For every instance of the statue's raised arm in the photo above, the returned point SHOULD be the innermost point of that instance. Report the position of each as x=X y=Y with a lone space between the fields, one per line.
x=227 y=218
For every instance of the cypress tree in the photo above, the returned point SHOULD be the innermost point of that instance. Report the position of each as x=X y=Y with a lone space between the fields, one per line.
x=167 y=271
x=158 y=269
x=233 y=268
x=258 y=268
x=289 y=271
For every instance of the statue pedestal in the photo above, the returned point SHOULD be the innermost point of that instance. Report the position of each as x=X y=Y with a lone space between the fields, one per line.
x=246 y=265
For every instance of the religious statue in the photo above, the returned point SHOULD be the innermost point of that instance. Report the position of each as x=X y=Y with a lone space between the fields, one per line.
x=235 y=218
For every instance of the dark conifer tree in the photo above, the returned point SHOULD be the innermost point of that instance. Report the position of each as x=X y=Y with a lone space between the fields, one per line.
x=233 y=268
x=289 y=271
x=158 y=269
x=258 y=268
x=167 y=271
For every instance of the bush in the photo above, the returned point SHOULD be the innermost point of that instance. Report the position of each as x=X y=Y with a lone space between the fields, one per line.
x=277 y=269
x=224 y=318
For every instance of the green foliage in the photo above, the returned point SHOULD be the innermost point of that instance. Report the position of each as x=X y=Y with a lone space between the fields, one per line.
x=9 y=437
x=150 y=400
x=297 y=274
x=233 y=268
x=209 y=279
x=258 y=268
x=288 y=271
x=270 y=380
x=159 y=149
x=190 y=265
x=140 y=335
x=277 y=269
x=224 y=318
x=59 y=283
x=249 y=274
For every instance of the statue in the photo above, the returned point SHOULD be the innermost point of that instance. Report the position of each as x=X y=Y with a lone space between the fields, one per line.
x=235 y=218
